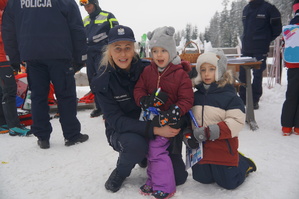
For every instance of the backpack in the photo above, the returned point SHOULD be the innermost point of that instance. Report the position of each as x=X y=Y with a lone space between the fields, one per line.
x=291 y=48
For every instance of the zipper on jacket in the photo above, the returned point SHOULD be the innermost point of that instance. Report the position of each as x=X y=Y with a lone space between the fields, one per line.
x=202 y=112
x=158 y=81
x=229 y=147
x=203 y=105
x=160 y=75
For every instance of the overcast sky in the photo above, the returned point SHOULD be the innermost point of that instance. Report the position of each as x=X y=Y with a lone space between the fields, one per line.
x=144 y=16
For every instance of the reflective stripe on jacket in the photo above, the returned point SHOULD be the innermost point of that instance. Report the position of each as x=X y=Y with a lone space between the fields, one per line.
x=97 y=29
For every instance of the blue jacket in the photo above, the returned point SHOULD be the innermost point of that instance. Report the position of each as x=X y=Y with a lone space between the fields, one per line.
x=114 y=89
x=97 y=26
x=262 y=24
x=44 y=29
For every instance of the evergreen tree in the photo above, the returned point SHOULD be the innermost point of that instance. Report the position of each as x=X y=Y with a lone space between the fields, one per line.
x=213 y=32
x=194 y=33
x=285 y=8
x=235 y=16
x=188 y=32
x=225 y=29
x=226 y=26
x=177 y=37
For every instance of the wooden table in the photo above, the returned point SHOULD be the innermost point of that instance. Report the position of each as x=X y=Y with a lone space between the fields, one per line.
x=248 y=66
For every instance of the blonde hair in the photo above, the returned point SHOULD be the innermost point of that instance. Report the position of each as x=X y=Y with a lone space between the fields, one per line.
x=227 y=78
x=107 y=58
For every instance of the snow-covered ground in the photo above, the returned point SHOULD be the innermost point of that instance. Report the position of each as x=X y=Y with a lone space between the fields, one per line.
x=80 y=171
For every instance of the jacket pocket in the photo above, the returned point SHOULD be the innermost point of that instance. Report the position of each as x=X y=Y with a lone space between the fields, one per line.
x=229 y=147
x=260 y=24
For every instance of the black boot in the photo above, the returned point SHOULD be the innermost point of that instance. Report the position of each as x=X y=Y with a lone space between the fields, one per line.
x=256 y=105
x=143 y=163
x=114 y=181
x=96 y=113
x=252 y=166
x=43 y=144
x=80 y=139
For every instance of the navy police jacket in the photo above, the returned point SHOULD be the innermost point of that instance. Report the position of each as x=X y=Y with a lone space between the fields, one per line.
x=262 y=24
x=114 y=90
x=97 y=26
x=43 y=29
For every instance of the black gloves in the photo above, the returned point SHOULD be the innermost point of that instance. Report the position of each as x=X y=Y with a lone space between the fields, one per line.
x=78 y=66
x=156 y=99
x=145 y=102
x=169 y=117
x=174 y=114
x=189 y=139
x=16 y=67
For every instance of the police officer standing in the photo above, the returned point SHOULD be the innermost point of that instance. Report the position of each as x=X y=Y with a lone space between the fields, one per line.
x=49 y=36
x=97 y=25
x=262 y=24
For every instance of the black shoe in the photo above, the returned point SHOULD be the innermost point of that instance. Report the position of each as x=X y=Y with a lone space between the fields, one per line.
x=256 y=106
x=114 y=181
x=81 y=138
x=96 y=113
x=252 y=166
x=143 y=163
x=43 y=144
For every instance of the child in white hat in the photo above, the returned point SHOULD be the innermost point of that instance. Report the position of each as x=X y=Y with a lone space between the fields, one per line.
x=220 y=114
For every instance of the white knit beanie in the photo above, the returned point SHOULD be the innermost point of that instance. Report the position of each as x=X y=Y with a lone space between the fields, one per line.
x=163 y=37
x=215 y=57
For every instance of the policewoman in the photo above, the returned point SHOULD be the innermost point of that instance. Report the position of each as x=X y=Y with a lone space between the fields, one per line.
x=119 y=71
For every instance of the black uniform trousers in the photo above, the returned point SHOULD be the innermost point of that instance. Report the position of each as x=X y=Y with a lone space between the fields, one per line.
x=290 y=109
x=92 y=66
x=61 y=74
x=257 y=88
x=133 y=149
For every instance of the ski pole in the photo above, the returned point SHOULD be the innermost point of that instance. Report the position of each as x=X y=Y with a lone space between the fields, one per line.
x=193 y=118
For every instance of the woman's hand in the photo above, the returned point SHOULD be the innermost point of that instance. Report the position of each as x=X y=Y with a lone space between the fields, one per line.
x=166 y=131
